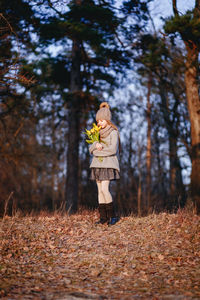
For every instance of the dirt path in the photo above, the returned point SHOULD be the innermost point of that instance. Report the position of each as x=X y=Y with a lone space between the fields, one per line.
x=156 y=257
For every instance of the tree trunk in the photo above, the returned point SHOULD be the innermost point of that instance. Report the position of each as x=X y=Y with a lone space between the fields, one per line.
x=177 y=189
x=73 y=131
x=148 y=153
x=193 y=101
x=162 y=203
x=139 y=195
x=54 y=159
x=129 y=204
x=139 y=191
x=191 y=76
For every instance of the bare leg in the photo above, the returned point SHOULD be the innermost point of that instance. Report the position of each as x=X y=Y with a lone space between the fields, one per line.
x=105 y=190
x=101 y=198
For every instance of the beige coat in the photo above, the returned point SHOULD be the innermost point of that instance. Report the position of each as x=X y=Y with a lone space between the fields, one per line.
x=106 y=158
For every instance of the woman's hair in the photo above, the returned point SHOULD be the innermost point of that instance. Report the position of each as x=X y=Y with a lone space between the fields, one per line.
x=115 y=127
x=112 y=125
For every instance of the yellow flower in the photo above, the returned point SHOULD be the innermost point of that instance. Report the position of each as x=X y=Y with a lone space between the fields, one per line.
x=92 y=130
x=92 y=134
x=97 y=128
x=87 y=131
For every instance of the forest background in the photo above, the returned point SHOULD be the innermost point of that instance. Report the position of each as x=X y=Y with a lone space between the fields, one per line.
x=59 y=60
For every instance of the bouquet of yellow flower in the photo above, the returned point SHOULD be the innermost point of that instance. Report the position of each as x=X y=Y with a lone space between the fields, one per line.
x=93 y=134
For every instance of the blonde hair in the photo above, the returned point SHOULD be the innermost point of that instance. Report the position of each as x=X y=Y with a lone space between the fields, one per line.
x=115 y=127
x=112 y=125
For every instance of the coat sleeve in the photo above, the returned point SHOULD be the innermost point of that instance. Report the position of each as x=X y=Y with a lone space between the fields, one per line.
x=111 y=149
x=92 y=147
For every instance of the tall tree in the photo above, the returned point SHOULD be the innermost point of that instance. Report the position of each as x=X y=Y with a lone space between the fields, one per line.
x=16 y=18
x=188 y=26
x=74 y=115
x=96 y=51
x=159 y=60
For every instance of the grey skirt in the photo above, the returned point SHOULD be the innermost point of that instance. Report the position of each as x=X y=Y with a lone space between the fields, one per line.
x=101 y=174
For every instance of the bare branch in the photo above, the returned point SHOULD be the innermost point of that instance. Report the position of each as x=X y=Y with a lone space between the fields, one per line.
x=7 y=23
x=152 y=22
x=175 y=10
x=119 y=40
x=57 y=11
x=19 y=128
x=10 y=70
x=6 y=204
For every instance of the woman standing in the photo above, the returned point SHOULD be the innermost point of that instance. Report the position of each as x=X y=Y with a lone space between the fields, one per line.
x=105 y=165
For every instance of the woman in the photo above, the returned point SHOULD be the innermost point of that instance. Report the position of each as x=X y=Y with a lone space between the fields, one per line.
x=105 y=165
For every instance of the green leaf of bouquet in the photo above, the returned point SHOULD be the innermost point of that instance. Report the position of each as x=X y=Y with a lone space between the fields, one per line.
x=89 y=141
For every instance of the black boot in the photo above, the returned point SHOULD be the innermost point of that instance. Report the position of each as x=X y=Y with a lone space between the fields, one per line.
x=112 y=218
x=103 y=214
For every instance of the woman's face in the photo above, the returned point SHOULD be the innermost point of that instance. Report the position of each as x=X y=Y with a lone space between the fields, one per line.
x=102 y=123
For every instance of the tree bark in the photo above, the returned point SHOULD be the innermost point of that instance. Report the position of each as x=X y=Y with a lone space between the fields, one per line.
x=71 y=192
x=193 y=101
x=161 y=178
x=176 y=188
x=54 y=159
x=139 y=191
x=148 y=151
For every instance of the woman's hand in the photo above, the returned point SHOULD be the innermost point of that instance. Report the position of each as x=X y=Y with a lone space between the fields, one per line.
x=99 y=146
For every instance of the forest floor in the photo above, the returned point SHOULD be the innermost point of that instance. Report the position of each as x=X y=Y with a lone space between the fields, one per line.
x=71 y=258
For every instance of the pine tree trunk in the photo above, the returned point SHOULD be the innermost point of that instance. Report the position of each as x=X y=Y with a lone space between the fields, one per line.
x=54 y=159
x=161 y=178
x=191 y=76
x=71 y=193
x=139 y=191
x=148 y=152
x=172 y=159
x=139 y=196
x=129 y=204
x=72 y=160
x=176 y=188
